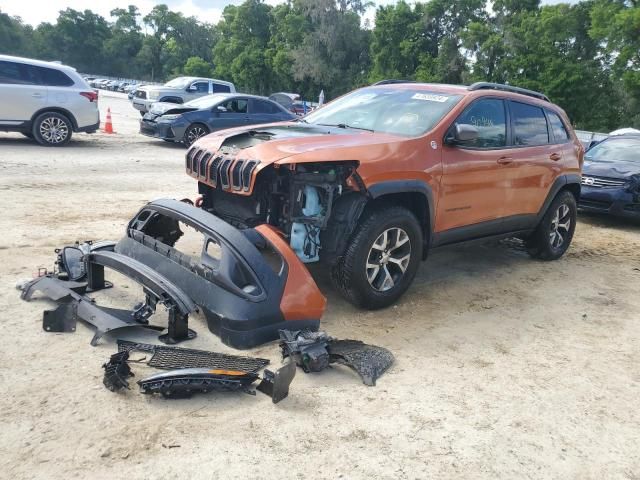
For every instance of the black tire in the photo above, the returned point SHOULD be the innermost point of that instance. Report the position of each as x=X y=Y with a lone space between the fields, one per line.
x=350 y=275
x=194 y=132
x=553 y=234
x=52 y=129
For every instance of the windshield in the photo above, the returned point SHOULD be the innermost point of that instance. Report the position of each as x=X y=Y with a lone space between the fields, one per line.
x=397 y=111
x=180 y=82
x=616 y=150
x=208 y=101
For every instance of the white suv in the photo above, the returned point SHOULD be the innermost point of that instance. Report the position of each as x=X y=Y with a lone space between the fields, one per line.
x=46 y=101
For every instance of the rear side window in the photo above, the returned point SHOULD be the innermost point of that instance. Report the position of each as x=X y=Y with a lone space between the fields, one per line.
x=54 y=78
x=529 y=125
x=219 y=88
x=261 y=106
x=488 y=116
x=11 y=73
x=560 y=133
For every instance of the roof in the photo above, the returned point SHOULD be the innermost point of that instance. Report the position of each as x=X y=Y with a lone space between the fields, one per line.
x=38 y=63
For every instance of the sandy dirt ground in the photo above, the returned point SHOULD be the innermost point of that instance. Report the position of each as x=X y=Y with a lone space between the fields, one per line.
x=505 y=367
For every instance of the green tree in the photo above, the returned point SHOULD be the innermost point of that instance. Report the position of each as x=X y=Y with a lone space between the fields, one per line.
x=15 y=36
x=197 y=67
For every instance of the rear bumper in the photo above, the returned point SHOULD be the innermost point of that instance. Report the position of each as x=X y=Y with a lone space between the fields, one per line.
x=141 y=104
x=612 y=201
x=244 y=297
x=89 y=128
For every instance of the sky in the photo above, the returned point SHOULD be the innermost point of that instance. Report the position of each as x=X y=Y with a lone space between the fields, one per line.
x=36 y=11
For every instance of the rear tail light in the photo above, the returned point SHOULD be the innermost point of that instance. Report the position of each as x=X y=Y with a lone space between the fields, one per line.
x=91 y=96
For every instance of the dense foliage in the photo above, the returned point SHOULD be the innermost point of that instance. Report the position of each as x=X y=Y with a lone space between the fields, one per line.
x=585 y=56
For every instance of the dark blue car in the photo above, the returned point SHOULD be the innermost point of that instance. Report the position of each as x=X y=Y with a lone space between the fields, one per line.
x=611 y=177
x=189 y=121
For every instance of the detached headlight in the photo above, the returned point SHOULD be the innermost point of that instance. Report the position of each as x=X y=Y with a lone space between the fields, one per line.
x=153 y=95
x=172 y=116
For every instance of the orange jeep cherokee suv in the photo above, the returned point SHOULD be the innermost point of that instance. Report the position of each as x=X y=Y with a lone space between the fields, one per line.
x=373 y=180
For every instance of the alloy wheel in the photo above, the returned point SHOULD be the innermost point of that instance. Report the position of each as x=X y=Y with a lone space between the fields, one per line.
x=54 y=130
x=560 y=226
x=388 y=259
x=195 y=133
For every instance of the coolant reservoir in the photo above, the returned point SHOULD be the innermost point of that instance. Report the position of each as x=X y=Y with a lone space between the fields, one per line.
x=305 y=239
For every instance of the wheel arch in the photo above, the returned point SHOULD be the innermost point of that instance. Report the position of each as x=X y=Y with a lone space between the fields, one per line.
x=63 y=111
x=568 y=182
x=414 y=195
x=171 y=99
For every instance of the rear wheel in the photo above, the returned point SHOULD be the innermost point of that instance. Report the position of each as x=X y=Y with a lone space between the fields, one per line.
x=194 y=132
x=52 y=129
x=555 y=231
x=381 y=259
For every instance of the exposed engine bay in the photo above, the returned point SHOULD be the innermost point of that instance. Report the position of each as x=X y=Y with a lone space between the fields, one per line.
x=297 y=199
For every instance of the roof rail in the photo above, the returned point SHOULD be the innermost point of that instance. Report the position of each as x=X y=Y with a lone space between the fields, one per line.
x=391 y=82
x=508 y=88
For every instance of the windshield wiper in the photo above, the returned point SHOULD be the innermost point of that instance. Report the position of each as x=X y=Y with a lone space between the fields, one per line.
x=344 y=125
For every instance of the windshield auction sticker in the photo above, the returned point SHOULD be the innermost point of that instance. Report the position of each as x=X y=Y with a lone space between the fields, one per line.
x=430 y=97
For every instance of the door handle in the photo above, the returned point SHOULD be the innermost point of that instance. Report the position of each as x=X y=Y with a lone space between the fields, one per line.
x=36 y=95
x=505 y=160
x=555 y=157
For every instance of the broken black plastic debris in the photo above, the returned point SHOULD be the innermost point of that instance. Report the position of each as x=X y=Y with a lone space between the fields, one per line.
x=315 y=351
x=117 y=371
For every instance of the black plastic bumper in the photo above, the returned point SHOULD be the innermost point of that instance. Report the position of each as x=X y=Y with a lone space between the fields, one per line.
x=89 y=128
x=239 y=292
x=156 y=130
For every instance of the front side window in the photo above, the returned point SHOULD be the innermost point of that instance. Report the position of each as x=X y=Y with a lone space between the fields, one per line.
x=201 y=87
x=530 y=125
x=488 y=117
x=560 y=133
x=408 y=112
x=238 y=105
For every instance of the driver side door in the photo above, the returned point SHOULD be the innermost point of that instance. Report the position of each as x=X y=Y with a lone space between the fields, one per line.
x=476 y=174
x=197 y=89
x=234 y=113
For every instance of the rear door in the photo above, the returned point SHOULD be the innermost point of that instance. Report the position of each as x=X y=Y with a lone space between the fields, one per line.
x=476 y=174
x=536 y=160
x=21 y=94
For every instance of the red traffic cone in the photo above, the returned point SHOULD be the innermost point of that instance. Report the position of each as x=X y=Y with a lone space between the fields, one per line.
x=108 y=126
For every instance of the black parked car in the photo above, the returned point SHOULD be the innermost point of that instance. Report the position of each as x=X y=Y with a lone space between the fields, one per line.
x=611 y=177
x=189 y=121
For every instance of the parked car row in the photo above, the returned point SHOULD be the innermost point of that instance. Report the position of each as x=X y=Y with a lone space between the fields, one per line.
x=112 y=85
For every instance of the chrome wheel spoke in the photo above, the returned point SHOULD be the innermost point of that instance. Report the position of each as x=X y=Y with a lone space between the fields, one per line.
x=388 y=259
x=387 y=282
x=402 y=262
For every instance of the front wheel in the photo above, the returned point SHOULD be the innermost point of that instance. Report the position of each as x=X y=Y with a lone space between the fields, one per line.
x=381 y=259
x=554 y=233
x=194 y=132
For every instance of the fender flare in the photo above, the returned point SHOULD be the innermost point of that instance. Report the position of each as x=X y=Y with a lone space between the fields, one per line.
x=561 y=182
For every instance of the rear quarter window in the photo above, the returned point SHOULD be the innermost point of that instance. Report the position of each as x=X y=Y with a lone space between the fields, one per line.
x=529 y=124
x=54 y=78
x=558 y=129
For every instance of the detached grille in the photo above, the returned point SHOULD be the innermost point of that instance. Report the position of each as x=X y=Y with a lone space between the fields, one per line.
x=220 y=171
x=141 y=94
x=602 y=182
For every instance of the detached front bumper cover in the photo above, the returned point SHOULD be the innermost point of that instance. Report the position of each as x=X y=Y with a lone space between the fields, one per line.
x=248 y=284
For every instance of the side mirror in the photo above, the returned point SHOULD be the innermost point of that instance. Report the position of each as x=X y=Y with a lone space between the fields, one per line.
x=192 y=88
x=72 y=263
x=462 y=133
x=220 y=108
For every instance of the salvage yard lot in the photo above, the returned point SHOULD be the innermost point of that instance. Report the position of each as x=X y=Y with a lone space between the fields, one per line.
x=505 y=367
